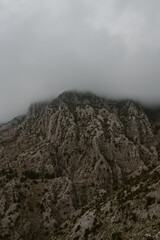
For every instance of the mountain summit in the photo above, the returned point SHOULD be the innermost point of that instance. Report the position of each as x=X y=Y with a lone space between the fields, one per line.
x=80 y=167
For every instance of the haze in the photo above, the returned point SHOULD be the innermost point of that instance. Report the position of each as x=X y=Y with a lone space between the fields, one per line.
x=109 y=47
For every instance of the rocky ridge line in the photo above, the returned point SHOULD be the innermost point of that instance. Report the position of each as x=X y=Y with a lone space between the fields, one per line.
x=77 y=150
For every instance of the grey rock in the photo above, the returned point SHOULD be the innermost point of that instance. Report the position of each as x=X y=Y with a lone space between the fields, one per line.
x=79 y=167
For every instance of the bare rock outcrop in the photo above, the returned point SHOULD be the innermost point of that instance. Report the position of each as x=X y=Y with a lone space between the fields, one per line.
x=74 y=151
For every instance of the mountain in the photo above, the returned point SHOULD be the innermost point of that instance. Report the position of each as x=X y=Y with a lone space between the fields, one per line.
x=81 y=167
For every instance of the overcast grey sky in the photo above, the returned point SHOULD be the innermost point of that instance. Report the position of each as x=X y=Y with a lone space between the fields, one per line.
x=111 y=47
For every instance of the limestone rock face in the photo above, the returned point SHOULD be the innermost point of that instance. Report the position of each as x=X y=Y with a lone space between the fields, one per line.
x=69 y=153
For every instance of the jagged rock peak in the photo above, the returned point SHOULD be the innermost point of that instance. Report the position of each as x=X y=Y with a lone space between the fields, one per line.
x=97 y=101
x=79 y=167
x=77 y=97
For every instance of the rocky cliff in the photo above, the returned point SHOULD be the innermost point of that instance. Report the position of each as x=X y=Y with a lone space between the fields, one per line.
x=80 y=167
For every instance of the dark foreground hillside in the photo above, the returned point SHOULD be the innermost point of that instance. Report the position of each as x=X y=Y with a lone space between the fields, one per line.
x=81 y=167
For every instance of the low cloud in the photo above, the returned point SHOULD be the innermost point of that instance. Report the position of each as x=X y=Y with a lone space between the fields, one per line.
x=108 y=47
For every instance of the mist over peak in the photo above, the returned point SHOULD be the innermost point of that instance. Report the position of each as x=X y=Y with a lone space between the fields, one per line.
x=111 y=48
